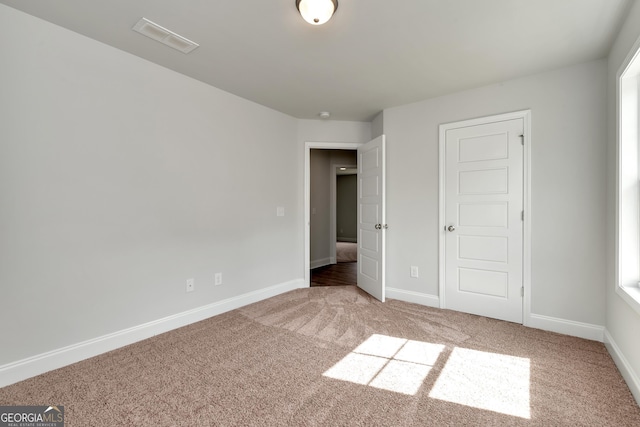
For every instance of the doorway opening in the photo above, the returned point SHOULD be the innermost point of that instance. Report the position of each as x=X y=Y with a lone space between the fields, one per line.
x=370 y=213
x=333 y=217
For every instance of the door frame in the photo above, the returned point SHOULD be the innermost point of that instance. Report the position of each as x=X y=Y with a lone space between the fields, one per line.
x=525 y=115
x=308 y=146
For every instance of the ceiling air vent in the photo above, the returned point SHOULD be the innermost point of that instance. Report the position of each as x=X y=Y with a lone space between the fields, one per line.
x=161 y=34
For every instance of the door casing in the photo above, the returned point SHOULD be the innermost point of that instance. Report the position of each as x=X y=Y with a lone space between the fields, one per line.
x=526 y=250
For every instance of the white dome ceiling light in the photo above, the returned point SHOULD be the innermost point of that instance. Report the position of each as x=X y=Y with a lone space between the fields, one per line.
x=317 y=12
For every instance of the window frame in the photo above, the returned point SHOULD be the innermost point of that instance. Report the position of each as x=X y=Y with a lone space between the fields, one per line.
x=627 y=281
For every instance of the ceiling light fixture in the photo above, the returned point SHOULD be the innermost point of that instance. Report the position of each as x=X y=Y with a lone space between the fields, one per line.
x=317 y=12
x=325 y=115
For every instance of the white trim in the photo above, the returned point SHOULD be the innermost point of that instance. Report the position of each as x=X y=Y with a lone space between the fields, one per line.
x=567 y=327
x=39 y=364
x=307 y=194
x=624 y=289
x=629 y=375
x=561 y=326
x=321 y=262
x=525 y=115
x=414 y=297
x=441 y=215
x=526 y=244
x=631 y=295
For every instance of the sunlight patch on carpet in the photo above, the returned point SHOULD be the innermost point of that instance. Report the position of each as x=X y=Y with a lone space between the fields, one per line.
x=388 y=363
x=494 y=382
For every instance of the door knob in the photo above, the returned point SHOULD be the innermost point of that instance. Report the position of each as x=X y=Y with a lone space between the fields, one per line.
x=378 y=226
x=451 y=228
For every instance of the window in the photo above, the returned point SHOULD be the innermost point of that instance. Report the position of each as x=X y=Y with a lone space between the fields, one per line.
x=628 y=196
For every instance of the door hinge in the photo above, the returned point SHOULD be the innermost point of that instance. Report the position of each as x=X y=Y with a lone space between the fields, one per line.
x=521 y=139
x=522 y=215
x=522 y=291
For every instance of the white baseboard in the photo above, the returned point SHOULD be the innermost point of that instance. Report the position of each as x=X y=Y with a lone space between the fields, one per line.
x=562 y=326
x=567 y=327
x=39 y=364
x=414 y=297
x=629 y=375
x=320 y=263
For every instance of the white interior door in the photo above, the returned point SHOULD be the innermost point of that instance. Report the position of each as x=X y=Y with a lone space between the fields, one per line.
x=371 y=218
x=484 y=219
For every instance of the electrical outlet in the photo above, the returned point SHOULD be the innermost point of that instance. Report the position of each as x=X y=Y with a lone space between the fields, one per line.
x=191 y=285
x=414 y=271
x=218 y=279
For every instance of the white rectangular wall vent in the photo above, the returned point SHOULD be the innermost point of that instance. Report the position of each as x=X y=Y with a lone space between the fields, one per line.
x=161 y=34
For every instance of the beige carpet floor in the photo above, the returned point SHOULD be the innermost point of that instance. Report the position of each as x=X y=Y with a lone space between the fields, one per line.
x=332 y=356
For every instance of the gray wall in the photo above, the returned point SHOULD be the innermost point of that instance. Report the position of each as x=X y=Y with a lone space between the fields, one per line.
x=332 y=131
x=119 y=180
x=623 y=323
x=377 y=125
x=114 y=189
x=568 y=186
x=347 y=207
x=319 y=202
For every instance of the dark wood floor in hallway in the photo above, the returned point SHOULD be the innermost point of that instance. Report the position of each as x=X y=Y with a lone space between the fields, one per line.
x=340 y=274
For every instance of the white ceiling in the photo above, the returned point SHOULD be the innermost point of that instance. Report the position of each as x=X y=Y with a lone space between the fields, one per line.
x=373 y=54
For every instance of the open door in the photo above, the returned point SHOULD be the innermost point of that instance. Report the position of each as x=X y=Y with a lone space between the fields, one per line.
x=371 y=218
